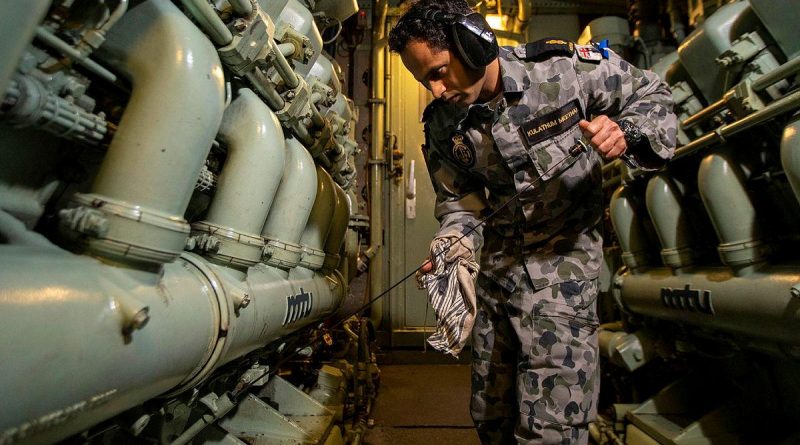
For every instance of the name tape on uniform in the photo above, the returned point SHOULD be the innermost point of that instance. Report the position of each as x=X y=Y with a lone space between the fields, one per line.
x=551 y=124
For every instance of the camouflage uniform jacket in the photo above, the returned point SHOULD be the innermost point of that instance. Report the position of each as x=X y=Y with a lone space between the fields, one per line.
x=482 y=155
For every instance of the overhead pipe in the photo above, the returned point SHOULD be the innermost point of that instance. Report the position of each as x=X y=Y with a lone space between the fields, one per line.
x=790 y=154
x=627 y=221
x=663 y=197
x=135 y=210
x=721 y=182
x=523 y=16
x=291 y=208
x=247 y=185
x=376 y=159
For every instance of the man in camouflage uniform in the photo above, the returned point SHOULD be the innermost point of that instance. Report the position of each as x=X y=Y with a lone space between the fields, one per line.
x=504 y=130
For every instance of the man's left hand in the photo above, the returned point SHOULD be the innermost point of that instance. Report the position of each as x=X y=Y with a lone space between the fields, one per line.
x=605 y=135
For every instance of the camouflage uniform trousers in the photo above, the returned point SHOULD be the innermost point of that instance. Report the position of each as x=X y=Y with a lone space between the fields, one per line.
x=534 y=370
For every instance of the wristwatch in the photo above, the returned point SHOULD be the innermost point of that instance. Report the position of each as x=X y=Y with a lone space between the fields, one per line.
x=633 y=136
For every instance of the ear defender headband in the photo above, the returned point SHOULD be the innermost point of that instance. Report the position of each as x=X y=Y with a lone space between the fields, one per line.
x=472 y=35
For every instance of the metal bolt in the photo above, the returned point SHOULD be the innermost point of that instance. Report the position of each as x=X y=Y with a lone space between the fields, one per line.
x=239 y=25
x=139 y=319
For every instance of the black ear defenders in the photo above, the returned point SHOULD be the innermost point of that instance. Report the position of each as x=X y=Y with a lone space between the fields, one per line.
x=472 y=35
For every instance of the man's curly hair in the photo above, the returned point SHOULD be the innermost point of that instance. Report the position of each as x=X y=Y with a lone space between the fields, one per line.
x=431 y=32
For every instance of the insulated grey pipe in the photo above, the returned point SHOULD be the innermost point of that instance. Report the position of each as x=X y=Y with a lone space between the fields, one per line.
x=783 y=105
x=760 y=305
x=291 y=207
x=627 y=221
x=254 y=166
x=664 y=197
x=209 y=21
x=721 y=183
x=173 y=113
x=82 y=312
x=790 y=154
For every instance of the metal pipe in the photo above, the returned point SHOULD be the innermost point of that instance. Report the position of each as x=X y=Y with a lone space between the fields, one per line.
x=291 y=207
x=783 y=105
x=283 y=67
x=376 y=159
x=664 y=203
x=254 y=166
x=766 y=80
x=341 y=216
x=241 y=7
x=59 y=45
x=319 y=222
x=627 y=222
x=523 y=15
x=287 y=48
x=98 y=35
x=758 y=306
x=209 y=21
x=152 y=164
x=721 y=183
x=265 y=89
x=93 y=308
x=705 y=113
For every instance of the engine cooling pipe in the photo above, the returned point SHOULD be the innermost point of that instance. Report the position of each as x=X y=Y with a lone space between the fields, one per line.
x=135 y=211
x=231 y=233
x=721 y=182
x=790 y=154
x=627 y=221
x=664 y=197
x=761 y=305
x=291 y=208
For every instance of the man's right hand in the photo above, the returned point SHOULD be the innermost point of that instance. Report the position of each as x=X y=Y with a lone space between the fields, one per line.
x=427 y=266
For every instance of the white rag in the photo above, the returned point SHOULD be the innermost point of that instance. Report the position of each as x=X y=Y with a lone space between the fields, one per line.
x=451 y=290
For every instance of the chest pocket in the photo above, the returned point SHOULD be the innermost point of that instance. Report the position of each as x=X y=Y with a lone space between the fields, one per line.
x=551 y=157
x=550 y=137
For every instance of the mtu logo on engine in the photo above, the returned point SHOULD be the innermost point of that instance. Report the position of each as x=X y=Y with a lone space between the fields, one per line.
x=687 y=299
x=298 y=306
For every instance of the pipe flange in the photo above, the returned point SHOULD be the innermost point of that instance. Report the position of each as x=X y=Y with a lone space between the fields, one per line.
x=743 y=253
x=122 y=231
x=232 y=248
x=678 y=257
x=635 y=260
x=222 y=312
x=312 y=258
x=281 y=253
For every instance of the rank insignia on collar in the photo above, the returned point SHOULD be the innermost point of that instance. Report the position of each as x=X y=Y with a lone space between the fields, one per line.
x=462 y=150
x=588 y=53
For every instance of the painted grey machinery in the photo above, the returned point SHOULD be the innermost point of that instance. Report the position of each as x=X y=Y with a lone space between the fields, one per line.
x=706 y=344
x=176 y=188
